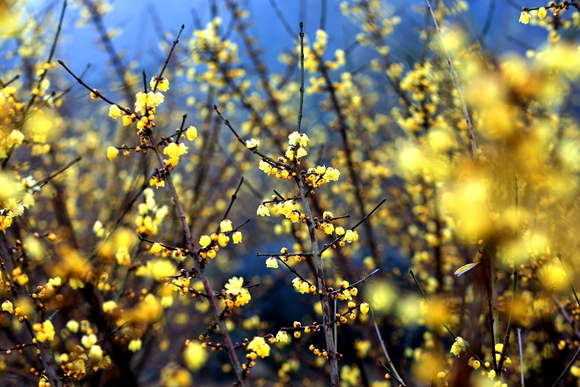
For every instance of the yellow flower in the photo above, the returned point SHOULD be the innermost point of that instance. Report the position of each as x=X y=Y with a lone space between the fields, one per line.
x=458 y=346
x=258 y=345
x=542 y=12
x=156 y=248
x=194 y=355
x=252 y=144
x=73 y=326
x=234 y=286
x=7 y=306
x=524 y=17
x=109 y=306
x=226 y=225
x=263 y=210
x=112 y=152
x=191 y=133
x=126 y=120
x=135 y=345
x=475 y=364
x=96 y=353
x=204 y=240
x=223 y=239
x=331 y=174
x=175 y=150
x=282 y=336
x=350 y=236
x=272 y=263
x=114 y=111
x=44 y=331
x=364 y=307
x=237 y=237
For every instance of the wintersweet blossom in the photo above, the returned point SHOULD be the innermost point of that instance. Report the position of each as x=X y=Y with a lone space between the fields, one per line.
x=272 y=263
x=258 y=345
x=234 y=286
x=524 y=17
x=114 y=111
x=542 y=12
x=282 y=336
x=460 y=345
x=296 y=138
x=364 y=307
x=204 y=240
x=112 y=153
x=263 y=210
x=252 y=144
x=191 y=133
x=226 y=225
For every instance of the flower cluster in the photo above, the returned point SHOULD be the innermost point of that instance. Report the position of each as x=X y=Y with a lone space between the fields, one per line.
x=239 y=295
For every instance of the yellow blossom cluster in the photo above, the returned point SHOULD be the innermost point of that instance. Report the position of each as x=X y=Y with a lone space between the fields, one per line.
x=236 y=290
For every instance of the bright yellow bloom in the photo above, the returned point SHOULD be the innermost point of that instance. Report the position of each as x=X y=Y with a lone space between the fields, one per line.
x=109 y=306
x=542 y=12
x=96 y=353
x=73 y=326
x=191 y=133
x=204 y=240
x=350 y=236
x=237 y=237
x=112 y=152
x=263 y=210
x=332 y=174
x=156 y=248
x=272 y=263
x=223 y=239
x=226 y=225
x=364 y=307
x=127 y=120
x=475 y=364
x=114 y=111
x=234 y=286
x=175 y=150
x=265 y=167
x=252 y=144
x=258 y=345
x=458 y=346
x=135 y=345
x=524 y=17
x=44 y=331
x=7 y=306
x=282 y=336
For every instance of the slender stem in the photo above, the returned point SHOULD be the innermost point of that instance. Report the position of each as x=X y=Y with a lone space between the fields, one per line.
x=301 y=77
x=203 y=276
x=389 y=361
x=323 y=290
x=567 y=368
x=521 y=356
x=457 y=86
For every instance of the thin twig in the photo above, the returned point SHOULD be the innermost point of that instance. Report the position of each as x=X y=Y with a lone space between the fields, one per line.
x=389 y=361
x=457 y=86
x=567 y=368
x=521 y=356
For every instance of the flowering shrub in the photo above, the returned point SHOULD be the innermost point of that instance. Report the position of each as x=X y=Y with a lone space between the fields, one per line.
x=364 y=212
